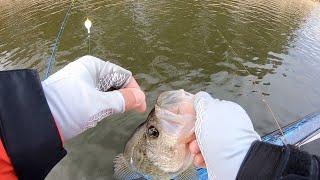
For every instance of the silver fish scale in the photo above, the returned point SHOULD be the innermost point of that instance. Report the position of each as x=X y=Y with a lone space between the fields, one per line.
x=112 y=80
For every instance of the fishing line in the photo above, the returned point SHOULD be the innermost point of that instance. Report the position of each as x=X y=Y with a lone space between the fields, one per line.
x=57 y=40
x=88 y=25
x=275 y=119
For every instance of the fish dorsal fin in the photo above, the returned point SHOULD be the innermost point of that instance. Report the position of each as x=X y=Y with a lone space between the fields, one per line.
x=122 y=171
x=189 y=174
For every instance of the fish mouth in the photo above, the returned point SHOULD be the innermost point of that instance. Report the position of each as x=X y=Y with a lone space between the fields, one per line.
x=180 y=126
x=176 y=114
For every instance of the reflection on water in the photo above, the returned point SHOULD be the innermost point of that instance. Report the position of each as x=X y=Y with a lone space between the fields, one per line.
x=195 y=45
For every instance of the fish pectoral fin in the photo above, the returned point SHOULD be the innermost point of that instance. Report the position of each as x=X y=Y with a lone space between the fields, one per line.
x=189 y=174
x=122 y=170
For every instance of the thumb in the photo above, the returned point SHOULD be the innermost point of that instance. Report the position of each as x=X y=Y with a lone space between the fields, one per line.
x=134 y=99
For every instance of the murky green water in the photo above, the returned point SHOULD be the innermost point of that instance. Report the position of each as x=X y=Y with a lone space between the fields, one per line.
x=195 y=45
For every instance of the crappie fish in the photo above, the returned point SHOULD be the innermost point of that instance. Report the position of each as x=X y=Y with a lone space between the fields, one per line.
x=158 y=148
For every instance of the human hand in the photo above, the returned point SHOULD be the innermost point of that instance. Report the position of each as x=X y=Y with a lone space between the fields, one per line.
x=88 y=90
x=133 y=96
x=198 y=159
x=224 y=134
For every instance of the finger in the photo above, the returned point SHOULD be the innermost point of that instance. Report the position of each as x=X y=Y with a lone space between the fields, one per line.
x=134 y=99
x=133 y=83
x=190 y=138
x=194 y=147
x=98 y=67
x=113 y=81
x=142 y=107
x=199 y=161
x=105 y=74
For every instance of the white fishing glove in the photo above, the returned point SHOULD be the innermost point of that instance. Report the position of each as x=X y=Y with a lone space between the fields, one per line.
x=84 y=92
x=224 y=133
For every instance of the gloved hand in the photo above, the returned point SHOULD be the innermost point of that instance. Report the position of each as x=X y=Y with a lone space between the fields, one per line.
x=224 y=134
x=85 y=91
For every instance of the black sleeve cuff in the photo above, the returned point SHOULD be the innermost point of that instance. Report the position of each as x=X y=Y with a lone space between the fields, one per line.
x=267 y=161
x=27 y=128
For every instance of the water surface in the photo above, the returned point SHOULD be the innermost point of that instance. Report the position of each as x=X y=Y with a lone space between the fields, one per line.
x=194 y=45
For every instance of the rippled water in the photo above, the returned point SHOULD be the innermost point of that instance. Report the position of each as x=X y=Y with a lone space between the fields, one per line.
x=195 y=45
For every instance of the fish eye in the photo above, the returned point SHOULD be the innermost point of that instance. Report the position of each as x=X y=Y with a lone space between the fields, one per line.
x=153 y=132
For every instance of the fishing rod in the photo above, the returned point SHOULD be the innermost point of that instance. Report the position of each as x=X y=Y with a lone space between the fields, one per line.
x=88 y=25
x=57 y=40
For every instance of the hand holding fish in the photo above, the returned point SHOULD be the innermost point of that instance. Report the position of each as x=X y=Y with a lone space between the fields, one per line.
x=158 y=149
x=88 y=90
x=198 y=159
x=224 y=134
